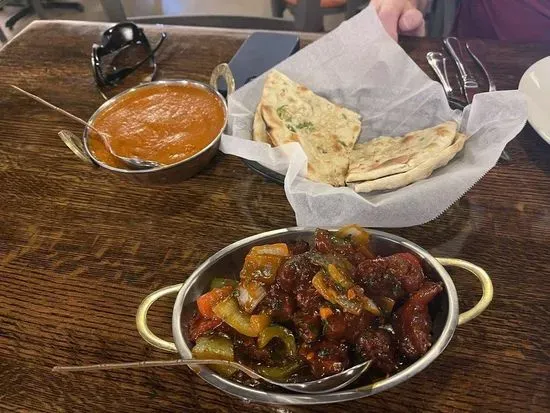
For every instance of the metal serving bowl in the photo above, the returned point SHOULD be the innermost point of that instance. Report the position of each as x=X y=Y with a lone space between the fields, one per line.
x=167 y=173
x=228 y=262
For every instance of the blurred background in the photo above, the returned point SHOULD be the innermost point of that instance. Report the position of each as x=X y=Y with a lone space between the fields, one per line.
x=306 y=15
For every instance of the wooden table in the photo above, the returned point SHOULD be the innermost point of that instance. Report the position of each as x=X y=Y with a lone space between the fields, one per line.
x=80 y=248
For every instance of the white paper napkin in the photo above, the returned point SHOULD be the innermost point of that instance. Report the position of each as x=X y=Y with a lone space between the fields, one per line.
x=360 y=67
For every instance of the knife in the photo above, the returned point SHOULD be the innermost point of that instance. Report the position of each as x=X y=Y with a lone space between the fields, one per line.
x=468 y=82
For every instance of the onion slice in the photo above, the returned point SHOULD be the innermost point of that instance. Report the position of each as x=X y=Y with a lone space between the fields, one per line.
x=251 y=293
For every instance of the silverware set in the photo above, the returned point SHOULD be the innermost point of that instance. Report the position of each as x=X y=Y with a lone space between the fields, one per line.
x=469 y=85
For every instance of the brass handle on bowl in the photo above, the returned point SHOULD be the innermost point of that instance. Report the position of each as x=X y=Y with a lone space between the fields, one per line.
x=224 y=70
x=74 y=143
x=141 y=319
x=486 y=285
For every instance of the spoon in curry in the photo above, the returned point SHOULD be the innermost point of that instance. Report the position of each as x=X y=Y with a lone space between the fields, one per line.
x=131 y=162
x=324 y=385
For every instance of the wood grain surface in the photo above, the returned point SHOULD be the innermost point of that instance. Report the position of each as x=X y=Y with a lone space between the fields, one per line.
x=80 y=248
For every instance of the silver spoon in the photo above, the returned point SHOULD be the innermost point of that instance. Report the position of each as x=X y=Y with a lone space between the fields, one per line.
x=324 y=385
x=131 y=162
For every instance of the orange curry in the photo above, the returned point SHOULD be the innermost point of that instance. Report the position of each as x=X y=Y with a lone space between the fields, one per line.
x=163 y=123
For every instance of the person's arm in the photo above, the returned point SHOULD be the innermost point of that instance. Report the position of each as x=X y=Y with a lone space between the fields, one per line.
x=402 y=16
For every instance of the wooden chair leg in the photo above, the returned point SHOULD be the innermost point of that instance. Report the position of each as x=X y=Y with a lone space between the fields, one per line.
x=278 y=8
x=18 y=16
x=308 y=16
x=3 y=38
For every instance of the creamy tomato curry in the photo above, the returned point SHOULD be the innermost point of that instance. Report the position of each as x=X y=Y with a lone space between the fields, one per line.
x=164 y=123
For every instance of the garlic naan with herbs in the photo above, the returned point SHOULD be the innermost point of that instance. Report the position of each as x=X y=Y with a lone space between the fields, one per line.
x=290 y=112
x=293 y=113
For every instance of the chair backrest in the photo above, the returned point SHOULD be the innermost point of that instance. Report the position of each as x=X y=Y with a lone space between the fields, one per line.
x=230 y=22
x=308 y=14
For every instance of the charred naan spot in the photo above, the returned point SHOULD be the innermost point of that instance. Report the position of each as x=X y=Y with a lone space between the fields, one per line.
x=408 y=138
x=302 y=88
x=336 y=145
x=294 y=137
x=441 y=131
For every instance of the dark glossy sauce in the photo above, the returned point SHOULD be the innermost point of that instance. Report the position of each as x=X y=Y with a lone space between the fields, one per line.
x=329 y=337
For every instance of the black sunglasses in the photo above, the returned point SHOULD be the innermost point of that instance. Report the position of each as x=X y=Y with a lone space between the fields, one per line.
x=120 y=38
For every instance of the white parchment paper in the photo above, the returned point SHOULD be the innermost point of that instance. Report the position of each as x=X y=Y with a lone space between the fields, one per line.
x=359 y=66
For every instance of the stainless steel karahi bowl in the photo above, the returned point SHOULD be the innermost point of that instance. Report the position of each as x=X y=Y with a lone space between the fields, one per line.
x=167 y=173
x=228 y=262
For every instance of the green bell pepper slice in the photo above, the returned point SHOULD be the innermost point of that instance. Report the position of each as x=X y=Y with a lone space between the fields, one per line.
x=215 y=348
x=223 y=282
x=249 y=325
x=352 y=301
x=280 y=332
x=279 y=373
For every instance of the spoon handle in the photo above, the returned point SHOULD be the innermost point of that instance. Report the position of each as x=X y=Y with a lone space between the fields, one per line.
x=156 y=363
x=437 y=61
x=64 y=112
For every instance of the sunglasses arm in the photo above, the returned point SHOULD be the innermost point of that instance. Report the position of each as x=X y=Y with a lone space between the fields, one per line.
x=150 y=56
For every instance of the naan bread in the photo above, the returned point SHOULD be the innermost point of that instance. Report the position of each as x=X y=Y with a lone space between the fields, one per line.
x=417 y=173
x=259 y=134
x=386 y=156
x=327 y=132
